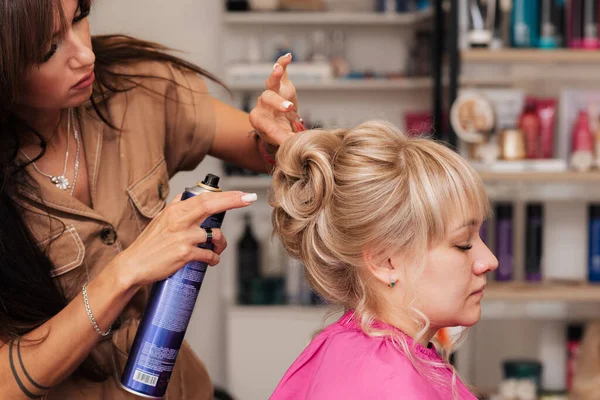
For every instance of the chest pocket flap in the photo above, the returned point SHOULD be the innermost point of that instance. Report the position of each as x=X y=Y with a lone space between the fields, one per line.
x=150 y=193
x=65 y=249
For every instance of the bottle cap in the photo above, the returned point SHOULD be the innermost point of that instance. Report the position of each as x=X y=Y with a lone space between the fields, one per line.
x=211 y=181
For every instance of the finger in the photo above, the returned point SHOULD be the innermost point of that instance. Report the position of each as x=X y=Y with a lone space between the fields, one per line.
x=196 y=209
x=279 y=72
x=219 y=242
x=285 y=60
x=275 y=101
x=204 y=255
x=267 y=127
x=274 y=80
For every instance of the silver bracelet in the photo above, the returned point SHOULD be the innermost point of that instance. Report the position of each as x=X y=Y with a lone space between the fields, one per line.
x=89 y=312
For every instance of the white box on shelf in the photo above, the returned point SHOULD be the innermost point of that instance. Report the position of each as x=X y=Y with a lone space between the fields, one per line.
x=565 y=241
x=552 y=342
x=298 y=72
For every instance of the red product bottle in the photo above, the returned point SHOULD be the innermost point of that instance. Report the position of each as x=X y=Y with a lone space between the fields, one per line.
x=546 y=109
x=529 y=123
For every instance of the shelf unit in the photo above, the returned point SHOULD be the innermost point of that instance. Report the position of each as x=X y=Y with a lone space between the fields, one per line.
x=524 y=319
x=326 y=18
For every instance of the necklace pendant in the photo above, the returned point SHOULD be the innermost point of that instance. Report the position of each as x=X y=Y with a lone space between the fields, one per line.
x=61 y=182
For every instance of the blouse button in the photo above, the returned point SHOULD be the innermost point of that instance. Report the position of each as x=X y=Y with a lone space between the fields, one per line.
x=108 y=236
x=162 y=191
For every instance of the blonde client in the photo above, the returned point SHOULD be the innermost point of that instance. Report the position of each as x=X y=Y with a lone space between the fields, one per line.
x=388 y=228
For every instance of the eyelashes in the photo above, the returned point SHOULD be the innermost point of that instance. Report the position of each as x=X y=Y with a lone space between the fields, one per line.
x=52 y=51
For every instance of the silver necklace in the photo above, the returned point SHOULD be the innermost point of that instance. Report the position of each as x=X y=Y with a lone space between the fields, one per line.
x=76 y=136
x=61 y=181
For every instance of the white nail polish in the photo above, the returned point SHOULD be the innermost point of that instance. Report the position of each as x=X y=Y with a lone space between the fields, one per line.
x=275 y=66
x=288 y=55
x=249 y=198
x=287 y=104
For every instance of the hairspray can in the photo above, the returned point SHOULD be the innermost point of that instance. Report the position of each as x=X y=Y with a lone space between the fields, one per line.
x=161 y=331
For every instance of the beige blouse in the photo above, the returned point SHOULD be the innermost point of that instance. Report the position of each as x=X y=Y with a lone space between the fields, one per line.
x=164 y=128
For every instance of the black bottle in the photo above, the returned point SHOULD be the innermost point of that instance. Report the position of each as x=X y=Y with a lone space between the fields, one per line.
x=248 y=253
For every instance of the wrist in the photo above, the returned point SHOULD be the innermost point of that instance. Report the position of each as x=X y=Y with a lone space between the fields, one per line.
x=267 y=151
x=122 y=278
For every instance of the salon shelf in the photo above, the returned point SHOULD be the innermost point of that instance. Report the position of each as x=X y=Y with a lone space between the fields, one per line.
x=545 y=291
x=531 y=56
x=345 y=85
x=326 y=18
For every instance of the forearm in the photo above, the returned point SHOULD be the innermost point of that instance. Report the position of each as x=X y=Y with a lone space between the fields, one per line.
x=235 y=140
x=53 y=351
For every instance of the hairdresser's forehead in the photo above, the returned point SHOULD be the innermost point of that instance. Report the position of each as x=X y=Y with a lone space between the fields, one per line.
x=68 y=9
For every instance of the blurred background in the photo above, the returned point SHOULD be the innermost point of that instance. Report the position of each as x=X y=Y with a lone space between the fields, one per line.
x=513 y=84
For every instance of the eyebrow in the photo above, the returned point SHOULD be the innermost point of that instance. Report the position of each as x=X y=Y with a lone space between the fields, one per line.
x=469 y=223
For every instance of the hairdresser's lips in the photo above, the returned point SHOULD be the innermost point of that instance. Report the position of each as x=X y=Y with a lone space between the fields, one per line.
x=85 y=82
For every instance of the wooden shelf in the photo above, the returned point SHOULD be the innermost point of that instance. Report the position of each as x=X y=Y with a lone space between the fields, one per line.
x=531 y=56
x=562 y=292
x=541 y=177
x=326 y=18
x=346 y=85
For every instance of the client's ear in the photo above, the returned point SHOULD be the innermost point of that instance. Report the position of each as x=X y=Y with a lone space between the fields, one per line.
x=381 y=267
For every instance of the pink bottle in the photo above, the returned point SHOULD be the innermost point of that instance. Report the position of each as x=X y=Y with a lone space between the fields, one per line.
x=583 y=143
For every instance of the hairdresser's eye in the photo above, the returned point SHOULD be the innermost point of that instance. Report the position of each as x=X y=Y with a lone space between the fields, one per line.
x=465 y=248
x=52 y=51
x=80 y=15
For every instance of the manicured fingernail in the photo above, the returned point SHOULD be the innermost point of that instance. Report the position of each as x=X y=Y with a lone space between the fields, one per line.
x=249 y=198
x=288 y=55
x=287 y=104
x=275 y=66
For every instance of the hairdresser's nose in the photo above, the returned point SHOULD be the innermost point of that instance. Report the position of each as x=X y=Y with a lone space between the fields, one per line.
x=83 y=56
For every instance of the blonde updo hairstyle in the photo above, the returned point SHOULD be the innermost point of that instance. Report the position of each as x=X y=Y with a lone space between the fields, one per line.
x=339 y=192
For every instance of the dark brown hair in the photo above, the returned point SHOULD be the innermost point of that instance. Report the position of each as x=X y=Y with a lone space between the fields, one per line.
x=28 y=295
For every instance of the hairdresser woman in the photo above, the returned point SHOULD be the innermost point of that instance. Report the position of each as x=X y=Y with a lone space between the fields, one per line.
x=91 y=130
